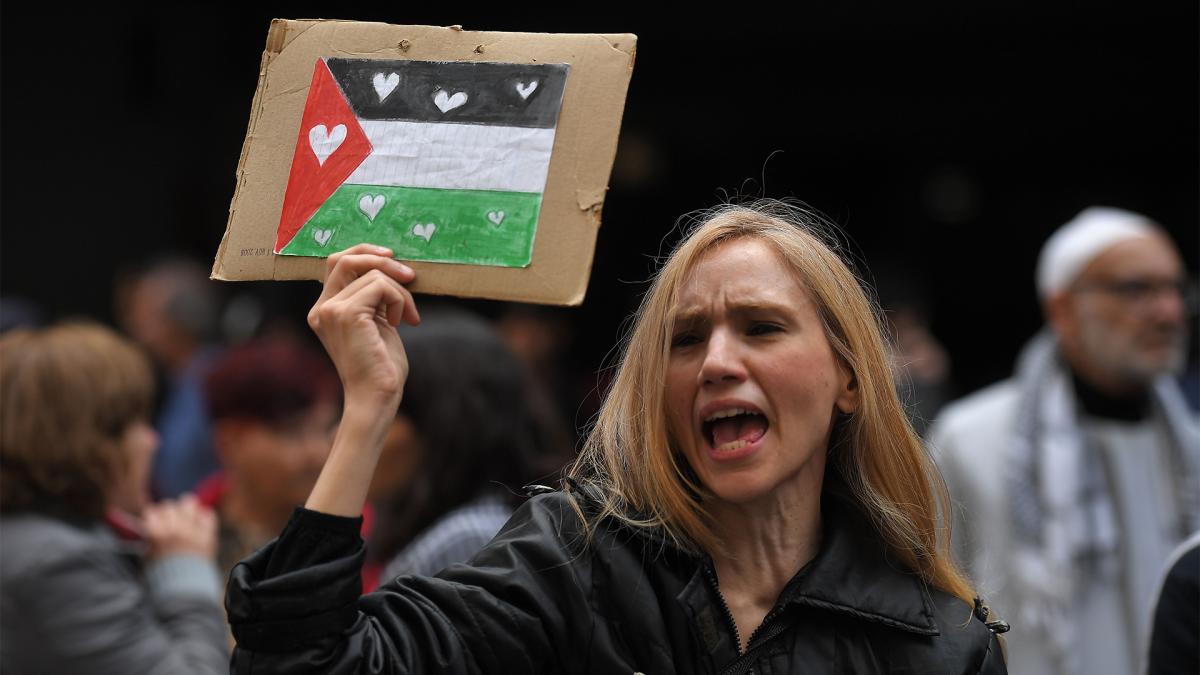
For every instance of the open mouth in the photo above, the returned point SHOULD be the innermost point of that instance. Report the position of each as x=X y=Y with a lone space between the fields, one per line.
x=734 y=428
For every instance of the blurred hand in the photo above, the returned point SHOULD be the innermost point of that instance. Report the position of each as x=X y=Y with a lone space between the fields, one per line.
x=180 y=526
x=355 y=317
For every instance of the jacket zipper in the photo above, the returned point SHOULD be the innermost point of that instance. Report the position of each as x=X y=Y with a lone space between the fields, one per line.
x=766 y=620
x=742 y=664
x=711 y=575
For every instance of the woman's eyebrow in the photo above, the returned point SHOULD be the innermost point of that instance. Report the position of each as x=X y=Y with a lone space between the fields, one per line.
x=687 y=317
x=759 y=307
x=690 y=316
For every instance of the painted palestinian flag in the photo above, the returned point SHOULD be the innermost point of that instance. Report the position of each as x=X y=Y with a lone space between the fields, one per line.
x=440 y=161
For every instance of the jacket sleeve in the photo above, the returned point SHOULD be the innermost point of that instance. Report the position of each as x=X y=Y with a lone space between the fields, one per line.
x=518 y=606
x=101 y=619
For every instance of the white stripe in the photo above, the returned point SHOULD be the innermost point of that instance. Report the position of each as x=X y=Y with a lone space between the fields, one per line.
x=455 y=156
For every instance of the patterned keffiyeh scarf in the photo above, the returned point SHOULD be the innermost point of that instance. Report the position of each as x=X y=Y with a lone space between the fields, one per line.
x=1065 y=527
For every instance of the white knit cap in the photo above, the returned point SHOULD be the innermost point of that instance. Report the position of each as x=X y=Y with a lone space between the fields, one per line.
x=1086 y=236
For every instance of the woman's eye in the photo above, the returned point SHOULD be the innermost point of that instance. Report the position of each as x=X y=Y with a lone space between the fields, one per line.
x=763 y=328
x=684 y=340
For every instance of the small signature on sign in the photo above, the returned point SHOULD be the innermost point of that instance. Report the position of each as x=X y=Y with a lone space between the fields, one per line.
x=254 y=251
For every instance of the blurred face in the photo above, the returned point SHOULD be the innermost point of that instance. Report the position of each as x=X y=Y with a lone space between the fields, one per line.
x=402 y=450
x=137 y=444
x=277 y=465
x=1123 y=321
x=144 y=317
x=752 y=383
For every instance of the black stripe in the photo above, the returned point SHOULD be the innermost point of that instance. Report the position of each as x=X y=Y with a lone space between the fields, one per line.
x=491 y=90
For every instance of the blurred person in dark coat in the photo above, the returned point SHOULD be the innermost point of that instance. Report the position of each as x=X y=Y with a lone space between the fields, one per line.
x=444 y=488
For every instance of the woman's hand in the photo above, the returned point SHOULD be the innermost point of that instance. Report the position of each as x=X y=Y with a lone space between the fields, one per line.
x=361 y=304
x=363 y=301
x=180 y=526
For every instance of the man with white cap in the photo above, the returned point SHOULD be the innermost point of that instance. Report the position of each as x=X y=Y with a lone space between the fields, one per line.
x=1075 y=479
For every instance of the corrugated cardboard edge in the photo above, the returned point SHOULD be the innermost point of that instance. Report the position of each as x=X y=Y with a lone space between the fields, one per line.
x=275 y=40
x=544 y=283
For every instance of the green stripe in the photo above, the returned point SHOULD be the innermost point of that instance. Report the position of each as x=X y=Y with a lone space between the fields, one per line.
x=463 y=231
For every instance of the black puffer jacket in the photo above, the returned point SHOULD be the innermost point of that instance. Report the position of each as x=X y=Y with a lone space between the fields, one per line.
x=538 y=599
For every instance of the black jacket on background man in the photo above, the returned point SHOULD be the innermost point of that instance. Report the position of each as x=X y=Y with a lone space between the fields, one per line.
x=542 y=598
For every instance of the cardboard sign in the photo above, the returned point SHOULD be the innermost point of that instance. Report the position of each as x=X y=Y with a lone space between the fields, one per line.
x=480 y=158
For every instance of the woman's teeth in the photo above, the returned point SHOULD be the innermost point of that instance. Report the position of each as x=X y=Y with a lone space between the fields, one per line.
x=730 y=412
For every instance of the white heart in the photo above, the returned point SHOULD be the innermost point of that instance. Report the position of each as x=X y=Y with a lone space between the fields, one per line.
x=385 y=85
x=496 y=217
x=446 y=103
x=370 y=205
x=322 y=236
x=526 y=89
x=424 y=231
x=324 y=142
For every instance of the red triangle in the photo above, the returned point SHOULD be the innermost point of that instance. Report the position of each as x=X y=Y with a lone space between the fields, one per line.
x=311 y=182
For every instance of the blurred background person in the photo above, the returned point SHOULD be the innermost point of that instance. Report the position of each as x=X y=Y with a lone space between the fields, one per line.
x=1077 y=477
x=467 y=437
x=171 y=309
x=92 y=578
x=544 y=339
x=274 y=403
x=920 y=363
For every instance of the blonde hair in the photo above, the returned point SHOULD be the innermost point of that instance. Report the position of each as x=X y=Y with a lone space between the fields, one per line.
x=67 y=395
x=628 y=457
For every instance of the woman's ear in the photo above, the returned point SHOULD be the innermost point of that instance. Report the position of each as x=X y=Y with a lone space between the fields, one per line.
x=847 y=399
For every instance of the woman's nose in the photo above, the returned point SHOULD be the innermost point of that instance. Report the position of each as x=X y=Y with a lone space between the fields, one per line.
x=722 y=360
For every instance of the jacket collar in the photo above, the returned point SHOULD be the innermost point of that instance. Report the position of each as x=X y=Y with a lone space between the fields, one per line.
x=853 y=575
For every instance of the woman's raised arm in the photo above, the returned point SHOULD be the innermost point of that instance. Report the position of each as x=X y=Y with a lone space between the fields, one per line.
x=362 y=302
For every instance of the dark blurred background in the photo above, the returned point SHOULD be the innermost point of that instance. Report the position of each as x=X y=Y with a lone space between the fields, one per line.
x=948 y=142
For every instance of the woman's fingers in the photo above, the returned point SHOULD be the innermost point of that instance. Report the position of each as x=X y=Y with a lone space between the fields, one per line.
x=407 y=310
x=358 y=249
x=355 y=267
x=374 y=292
x=181 y=526
x=152 y=520
x=345 y=266
x=346 y=270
